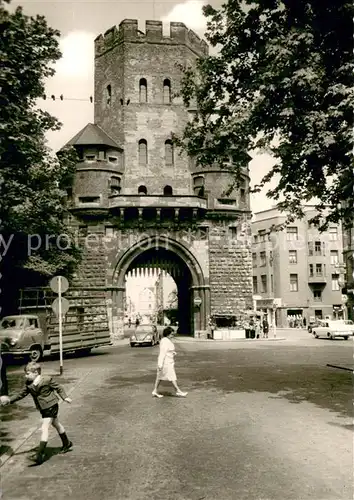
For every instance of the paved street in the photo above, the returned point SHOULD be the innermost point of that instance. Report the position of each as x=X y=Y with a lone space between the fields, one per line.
x=263 y=420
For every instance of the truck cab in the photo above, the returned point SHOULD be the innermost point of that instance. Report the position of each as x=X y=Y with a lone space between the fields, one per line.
x=22 y=335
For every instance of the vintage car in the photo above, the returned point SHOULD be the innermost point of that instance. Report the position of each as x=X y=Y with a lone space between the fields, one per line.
x=332 y=329
x=145 y=334
x=22 y=336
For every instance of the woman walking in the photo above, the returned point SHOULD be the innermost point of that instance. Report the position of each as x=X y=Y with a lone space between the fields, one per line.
x=166 y=364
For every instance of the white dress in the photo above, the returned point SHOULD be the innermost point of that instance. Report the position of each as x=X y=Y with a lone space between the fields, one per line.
x=166 y=360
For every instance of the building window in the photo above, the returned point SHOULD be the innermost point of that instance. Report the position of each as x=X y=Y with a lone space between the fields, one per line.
x=142 y=190
x=143 y=90
x=108 y=95
x=112 y=159
x=255 y=238
x=169 y=153
x=233 y=232
x=262 y=236
x=166 y=91
x=271 y=283
x=334 y=257
x=310 y=248
x=294 y=287
x=291 y=233
x=242 y=195
x=292 y=256
x=115 y=185
x=311 y=270
x=254 y=260
x=335 y=282
x=263 y=257
x=167 y=191
x=255 y=285
x=143 y=156
x=264 y=283
x=319 y=270
x=333 y=233
x=318 y=248
x=90 y=157
x=198 y=185
x=317 y=295
x=89 y=199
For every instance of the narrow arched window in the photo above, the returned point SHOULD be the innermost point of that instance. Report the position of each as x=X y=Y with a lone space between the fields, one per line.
x=168 y=152
x=166 y=91
x=142 y=190
x=108 y=95
x=198 y=185
x=143 y=159
x=167 y=191
x=142 y=90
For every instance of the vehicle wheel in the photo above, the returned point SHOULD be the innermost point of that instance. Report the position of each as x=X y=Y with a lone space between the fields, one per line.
x=86 y=351
x=315 y=335
x=36 y=353
x=331 y=337
x=131 y=345
x=345 y=338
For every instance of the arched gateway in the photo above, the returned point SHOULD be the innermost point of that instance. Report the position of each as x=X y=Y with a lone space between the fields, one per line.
x=139 y=205
x=166 y=254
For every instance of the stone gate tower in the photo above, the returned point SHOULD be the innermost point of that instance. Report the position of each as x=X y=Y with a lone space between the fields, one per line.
x=138 y=203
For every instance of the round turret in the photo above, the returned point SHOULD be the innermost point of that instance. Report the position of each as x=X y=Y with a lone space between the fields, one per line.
x=219 y=186
x=100 y=168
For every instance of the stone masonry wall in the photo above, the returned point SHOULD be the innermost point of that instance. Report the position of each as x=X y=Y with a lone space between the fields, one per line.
x=230 y=265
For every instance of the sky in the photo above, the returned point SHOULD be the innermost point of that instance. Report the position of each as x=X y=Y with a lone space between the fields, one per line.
x=80 y=22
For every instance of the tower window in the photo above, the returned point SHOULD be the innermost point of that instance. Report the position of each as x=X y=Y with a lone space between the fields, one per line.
x=198 y=187
x=143 y=159
x=169 y=152
x=115 y=185
x=142 y=190
x=108 y=95
x=166 y=91
x=167 y=191
x=143 y=90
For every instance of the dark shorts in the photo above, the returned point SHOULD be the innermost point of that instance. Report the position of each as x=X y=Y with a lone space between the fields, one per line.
x=51 y=412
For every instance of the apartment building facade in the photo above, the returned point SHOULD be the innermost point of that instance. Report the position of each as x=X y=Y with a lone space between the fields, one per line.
x=299 y=265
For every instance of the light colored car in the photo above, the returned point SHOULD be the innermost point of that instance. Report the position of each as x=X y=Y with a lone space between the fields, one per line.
x=145 y=334
x=332 y=329
x=23 y=336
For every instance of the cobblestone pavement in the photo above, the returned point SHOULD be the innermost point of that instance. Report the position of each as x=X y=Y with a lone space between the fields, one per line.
x=261 y=422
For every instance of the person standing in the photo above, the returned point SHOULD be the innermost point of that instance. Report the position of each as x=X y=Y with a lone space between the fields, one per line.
x=166 y=364
x=3 y=369
x=265 y=328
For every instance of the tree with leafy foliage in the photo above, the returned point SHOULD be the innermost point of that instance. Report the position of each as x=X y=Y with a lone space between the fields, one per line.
x=32 y=179
x=281 y=82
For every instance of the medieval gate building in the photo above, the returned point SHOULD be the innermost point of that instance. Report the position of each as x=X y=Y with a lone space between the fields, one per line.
x=137 y=204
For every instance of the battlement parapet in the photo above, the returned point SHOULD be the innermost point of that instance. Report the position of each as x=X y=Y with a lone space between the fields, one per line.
x=128 y=31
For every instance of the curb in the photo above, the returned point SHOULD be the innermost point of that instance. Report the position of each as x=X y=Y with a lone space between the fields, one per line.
x=20 y=441
x=196 y=340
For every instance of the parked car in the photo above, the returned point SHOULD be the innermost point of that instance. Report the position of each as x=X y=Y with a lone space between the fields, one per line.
x=332 y=329
x=145 y=334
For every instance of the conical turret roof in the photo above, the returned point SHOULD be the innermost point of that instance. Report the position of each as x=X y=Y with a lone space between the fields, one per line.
x=92 y=135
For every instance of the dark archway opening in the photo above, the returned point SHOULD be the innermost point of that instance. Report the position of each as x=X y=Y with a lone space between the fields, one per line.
x=153 y=263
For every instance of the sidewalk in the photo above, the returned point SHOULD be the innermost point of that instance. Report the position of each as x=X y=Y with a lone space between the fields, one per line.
x=19 y=422
x=182 y=338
